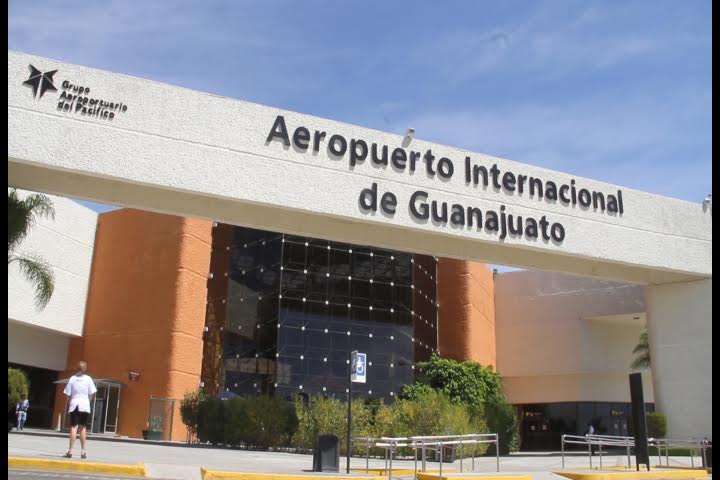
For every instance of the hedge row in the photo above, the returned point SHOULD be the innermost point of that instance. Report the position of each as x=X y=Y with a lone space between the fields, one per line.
x=267 y=422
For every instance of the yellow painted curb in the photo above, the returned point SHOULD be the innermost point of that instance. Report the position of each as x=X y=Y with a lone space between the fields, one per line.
x=657 y=475
x=29 y=463
x=681 y=467
x=220 y=475
x=484 y=476
x=610 y=467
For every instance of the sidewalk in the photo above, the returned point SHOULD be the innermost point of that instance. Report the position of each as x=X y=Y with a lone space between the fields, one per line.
x=93 y=436
x=182 y=462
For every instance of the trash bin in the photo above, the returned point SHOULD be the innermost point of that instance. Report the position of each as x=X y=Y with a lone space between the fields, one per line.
x=326 y=457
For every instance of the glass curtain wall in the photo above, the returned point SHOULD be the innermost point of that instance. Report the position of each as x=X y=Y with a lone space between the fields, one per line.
x=285 y=311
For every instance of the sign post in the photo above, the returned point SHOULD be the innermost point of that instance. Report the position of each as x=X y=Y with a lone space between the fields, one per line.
x=357 y=373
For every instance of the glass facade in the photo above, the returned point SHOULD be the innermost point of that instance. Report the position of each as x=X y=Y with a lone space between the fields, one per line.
x=284 y=312
x=542 y=424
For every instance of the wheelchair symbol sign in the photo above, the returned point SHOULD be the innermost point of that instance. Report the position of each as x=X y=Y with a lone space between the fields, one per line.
x=359 y=367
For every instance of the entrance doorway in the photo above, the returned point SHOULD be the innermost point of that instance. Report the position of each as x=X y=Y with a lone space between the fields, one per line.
x=104 y=408
x=41 y=395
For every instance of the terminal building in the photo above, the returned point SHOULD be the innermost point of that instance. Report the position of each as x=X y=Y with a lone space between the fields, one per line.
x=153 y=282
x=161 y=305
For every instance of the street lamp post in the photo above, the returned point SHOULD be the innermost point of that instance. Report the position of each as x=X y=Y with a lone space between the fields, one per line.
x=349 y=414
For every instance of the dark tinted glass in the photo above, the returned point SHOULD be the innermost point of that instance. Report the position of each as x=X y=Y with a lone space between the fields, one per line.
x=291 y=310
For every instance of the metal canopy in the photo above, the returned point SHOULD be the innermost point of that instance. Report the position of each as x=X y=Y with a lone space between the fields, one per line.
x=98 y=381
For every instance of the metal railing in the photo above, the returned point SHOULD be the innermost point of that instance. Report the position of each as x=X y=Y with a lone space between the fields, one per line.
x=629 y=442
x=693 y=444
x=422 y=444
x=599 y=441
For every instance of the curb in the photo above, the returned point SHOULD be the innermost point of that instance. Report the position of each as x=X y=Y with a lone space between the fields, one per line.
x=681 y=467
x=652 y=475
x=29 y=463
x=221 y=475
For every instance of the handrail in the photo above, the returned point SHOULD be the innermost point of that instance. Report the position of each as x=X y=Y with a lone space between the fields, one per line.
x=629 y=442
x=436 y=443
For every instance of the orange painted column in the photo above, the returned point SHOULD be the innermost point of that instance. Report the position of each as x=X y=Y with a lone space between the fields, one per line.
x=466 y=295
x=146 y=311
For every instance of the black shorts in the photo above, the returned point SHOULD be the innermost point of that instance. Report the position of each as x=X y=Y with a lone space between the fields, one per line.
x=78 y=418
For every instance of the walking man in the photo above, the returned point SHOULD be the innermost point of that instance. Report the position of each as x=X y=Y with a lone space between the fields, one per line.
x=21 y=413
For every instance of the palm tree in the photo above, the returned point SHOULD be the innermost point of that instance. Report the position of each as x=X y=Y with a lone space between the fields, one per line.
x=642 y=352
x=22 y=215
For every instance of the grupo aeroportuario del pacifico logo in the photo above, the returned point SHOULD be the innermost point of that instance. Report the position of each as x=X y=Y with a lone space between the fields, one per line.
x=74 y=97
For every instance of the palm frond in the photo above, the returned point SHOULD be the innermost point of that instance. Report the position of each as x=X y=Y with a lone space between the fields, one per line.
x=39 y=273
x=40 y=206
x=640 y=362
x=23 y=213
x=642 y=352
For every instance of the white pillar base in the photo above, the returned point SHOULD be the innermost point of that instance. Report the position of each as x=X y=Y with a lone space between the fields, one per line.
x=680 y=330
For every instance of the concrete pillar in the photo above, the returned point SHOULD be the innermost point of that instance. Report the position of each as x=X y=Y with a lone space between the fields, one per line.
x=680 y=332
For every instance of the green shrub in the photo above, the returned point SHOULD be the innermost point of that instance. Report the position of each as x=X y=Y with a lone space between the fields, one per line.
x=18 y=386
x=211 y=421
x=430 y=414
x=476 y=387
x=415 y=390
x=234 y=421
x=319 y=416
x=502 y=419
x=267 y=422
x=463 y=382
x=253 y=422
x=189 y=410
x=656 y=424
x=270 y=422
x=433 y=413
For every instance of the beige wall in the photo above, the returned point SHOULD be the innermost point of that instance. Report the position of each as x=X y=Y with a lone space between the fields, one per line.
x=66 y=244
x=680 y=330
x=566 y=338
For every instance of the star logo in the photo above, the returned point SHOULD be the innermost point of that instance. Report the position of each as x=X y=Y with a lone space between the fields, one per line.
x=40 y=82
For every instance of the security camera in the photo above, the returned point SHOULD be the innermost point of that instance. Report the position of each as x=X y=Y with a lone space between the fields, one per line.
x=410 y=133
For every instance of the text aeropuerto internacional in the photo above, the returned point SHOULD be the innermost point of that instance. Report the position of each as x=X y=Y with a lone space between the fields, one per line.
x=423 y=208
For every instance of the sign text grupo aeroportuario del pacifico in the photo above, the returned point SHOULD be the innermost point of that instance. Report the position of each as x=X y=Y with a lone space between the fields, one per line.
x=421 y=207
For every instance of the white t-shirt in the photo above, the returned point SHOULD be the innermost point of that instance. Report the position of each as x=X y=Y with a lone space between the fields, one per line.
x=79 y=389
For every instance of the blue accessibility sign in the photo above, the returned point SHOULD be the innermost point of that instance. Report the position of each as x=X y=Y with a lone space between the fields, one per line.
x=358 y=372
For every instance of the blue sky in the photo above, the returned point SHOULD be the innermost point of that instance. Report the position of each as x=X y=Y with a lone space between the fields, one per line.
x=616 y=91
